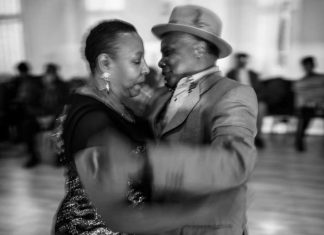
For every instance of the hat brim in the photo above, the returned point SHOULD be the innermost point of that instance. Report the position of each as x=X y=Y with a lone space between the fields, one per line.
x=224 y=48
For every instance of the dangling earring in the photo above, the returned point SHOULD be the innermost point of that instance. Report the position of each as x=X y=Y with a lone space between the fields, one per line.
x=105 y=77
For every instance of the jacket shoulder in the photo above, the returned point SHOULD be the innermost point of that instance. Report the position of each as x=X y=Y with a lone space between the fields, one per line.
x=227 y=86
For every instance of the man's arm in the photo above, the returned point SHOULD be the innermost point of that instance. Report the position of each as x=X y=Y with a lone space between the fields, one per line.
x=104 y=178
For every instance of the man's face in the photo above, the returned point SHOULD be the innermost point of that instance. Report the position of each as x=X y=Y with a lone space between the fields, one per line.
x=178 y=59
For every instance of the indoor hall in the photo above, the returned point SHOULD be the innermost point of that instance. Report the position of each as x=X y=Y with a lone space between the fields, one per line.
x=275 y=39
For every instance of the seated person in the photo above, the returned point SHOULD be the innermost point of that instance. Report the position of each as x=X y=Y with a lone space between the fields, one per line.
x=310 y=99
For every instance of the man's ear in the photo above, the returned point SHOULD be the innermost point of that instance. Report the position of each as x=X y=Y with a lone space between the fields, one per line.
x=87 y=163
x=200 y=49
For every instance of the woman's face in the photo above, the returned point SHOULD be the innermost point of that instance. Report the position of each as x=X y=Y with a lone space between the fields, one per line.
x=129 y=68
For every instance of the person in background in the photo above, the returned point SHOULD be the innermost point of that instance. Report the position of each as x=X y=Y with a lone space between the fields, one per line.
x=54 y=96
x=25 y=109
x=247 y=76
x=15 y=109
x=310 y=99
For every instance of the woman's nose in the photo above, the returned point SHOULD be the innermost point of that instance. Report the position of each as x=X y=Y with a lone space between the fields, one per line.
x=146 y=68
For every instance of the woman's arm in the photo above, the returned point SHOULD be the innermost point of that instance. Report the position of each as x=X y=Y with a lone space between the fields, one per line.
x=105 y=172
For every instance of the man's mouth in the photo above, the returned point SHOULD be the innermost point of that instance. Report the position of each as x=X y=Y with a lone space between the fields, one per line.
x=166 y=73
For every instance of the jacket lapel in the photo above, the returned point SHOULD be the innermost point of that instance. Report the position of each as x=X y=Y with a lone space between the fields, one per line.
x=189 y=103
x=191 y=100
x=160 y=100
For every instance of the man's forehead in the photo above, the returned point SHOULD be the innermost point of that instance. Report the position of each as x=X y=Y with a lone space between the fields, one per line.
x=169 y=40
x=174 y=39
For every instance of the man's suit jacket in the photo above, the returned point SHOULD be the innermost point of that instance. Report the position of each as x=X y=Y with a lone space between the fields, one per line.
x=206 y=154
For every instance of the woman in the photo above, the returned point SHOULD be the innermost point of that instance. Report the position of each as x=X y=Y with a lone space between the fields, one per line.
x=100 y=174
x=115 y=55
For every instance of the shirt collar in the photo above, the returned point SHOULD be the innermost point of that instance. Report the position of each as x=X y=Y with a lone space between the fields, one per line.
x=195 y=77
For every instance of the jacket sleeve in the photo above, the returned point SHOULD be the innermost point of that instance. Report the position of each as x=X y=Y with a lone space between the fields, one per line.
x=225 y=163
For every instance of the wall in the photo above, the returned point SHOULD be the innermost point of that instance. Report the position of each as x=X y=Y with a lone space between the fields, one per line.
x=54 y=30
x=53 y=34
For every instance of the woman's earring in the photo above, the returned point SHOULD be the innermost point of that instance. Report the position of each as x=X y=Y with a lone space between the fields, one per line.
x=105 y=77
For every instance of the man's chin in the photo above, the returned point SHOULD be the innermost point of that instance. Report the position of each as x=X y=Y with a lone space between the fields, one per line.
x=170 y=83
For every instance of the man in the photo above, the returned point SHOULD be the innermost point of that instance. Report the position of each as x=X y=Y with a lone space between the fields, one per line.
x=209 y=125
x=26 y=90
x=205 y=125
x=310 y=99
x=244 y=75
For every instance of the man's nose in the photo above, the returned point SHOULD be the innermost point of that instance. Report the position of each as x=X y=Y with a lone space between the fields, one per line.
x=161 y=63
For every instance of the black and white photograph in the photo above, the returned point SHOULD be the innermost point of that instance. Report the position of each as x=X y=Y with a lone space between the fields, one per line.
x=161 y=117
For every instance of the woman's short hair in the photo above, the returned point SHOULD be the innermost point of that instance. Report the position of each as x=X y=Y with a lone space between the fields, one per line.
x=103 y=38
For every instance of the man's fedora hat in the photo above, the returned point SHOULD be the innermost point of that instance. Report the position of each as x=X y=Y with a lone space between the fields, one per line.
x=198 y=21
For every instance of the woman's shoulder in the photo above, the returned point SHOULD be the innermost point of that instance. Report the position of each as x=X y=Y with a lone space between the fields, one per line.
x=82 y=101
x=85 y=117
x=82 y=106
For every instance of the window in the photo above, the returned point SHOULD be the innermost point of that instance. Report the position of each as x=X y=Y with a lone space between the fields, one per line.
x=11 y=35
x=104 y=5
x=96 y=10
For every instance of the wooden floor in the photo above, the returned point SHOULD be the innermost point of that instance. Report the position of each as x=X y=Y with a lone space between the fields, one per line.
x=286 y=196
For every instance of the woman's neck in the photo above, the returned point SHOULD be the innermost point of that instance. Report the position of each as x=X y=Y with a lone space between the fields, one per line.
x=111 y=99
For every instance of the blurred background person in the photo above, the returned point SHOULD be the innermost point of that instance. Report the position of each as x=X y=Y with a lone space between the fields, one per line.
x=54 y=96
x=15 y=106
x=310 y=99
x=241 y=73
x=25 y=96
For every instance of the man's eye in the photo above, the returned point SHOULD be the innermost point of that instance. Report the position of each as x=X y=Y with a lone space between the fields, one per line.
x=167 y=53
